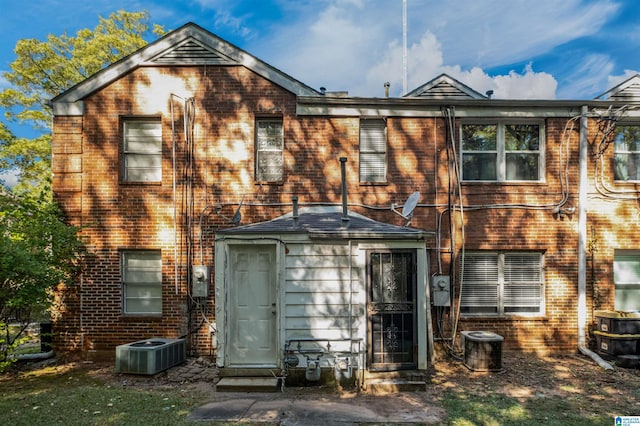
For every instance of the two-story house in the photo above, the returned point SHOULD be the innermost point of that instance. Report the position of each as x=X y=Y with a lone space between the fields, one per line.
x=225 y=202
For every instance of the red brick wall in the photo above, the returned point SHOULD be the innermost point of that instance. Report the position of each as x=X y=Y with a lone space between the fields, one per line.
x=227 y=100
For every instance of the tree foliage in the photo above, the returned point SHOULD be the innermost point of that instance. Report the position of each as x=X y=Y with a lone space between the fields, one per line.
x=39 y=252
x=44 y=69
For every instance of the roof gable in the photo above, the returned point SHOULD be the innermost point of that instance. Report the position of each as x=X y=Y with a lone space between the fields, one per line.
x=188 y=45
x=628 y=90
x=445 y=87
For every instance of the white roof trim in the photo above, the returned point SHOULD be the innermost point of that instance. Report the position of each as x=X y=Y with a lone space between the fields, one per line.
x=148 y=55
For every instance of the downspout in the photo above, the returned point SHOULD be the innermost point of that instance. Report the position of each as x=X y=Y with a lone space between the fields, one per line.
x=582 y=244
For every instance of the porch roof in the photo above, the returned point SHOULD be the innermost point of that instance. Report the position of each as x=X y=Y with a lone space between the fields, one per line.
x=329 y=225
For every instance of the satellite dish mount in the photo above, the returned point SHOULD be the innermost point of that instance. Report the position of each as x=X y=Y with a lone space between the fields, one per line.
x=409 y=207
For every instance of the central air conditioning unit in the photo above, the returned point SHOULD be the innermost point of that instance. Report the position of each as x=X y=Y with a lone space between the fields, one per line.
x=150 y=356
x=482 y=350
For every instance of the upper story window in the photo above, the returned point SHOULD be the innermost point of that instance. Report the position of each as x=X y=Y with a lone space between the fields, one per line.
x=626 y=153
x=269 y=150
x=373 y=151
x=502 y=151
x=141 y=282
x=142 y=151
x=497 y=283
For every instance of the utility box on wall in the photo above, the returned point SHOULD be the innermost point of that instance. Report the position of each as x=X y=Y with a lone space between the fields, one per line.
x=199 y=281
x=440 y=290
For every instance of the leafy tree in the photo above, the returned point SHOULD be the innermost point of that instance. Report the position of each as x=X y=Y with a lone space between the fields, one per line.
x=44 y=69
x=39 y=252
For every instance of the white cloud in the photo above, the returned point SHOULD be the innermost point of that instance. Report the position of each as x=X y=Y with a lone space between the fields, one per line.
x=614 y=80
x=10 y=178
x=3 y=81
x=588 y=76
x=529 y=85
x=357 y=46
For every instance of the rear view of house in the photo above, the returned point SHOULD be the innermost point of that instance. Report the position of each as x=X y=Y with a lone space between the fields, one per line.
x=275 y=226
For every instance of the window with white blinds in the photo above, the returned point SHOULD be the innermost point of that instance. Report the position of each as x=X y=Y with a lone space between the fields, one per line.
x=142 y=151
x=373 y=151
x=496 y=283
x=269 y=150
x=141 y=282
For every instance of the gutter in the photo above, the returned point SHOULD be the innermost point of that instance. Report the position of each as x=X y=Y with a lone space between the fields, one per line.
x=582 y=244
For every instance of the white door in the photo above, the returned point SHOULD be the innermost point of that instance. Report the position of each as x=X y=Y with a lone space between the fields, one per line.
x=252 y=306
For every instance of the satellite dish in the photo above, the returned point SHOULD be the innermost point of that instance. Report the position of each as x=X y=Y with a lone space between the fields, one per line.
x=410 y=205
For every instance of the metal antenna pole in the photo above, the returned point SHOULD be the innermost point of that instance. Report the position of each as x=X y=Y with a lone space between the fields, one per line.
x=404 y=47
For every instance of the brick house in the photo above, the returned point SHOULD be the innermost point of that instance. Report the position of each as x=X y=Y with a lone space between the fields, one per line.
x=523 y=214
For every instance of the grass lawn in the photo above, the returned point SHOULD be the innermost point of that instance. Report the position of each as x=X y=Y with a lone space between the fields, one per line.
x=74 y=396
x=561 y=390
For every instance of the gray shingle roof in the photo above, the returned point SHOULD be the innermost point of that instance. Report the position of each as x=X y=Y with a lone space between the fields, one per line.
x=328 y=225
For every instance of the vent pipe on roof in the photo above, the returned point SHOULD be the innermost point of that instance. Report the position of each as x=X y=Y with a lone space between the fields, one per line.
x=294 y=200
x=343 y=173
x=386 y=89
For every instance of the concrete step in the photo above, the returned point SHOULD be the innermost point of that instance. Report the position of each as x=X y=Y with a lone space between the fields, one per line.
x=390 y=385
x=247 y=384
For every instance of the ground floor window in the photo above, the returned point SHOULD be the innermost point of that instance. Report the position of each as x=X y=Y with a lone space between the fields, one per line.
x=626 y=277
x=502 y=283
x=141 y=282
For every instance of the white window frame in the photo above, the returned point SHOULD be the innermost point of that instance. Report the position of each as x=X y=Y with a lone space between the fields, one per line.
x=142 y=150
x=373 y=150
x=269 y=151
x=501 y=153
x=141 y=276
x=626 y=280
x=627 y=152
x=486 y=288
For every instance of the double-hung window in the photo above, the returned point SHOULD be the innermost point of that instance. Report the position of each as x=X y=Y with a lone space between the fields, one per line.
x=142 y=151
x=373 y=151
x=626 y=278
x=269 y=150
x=497 y=283
x=141 y=282
x=502 y=151
x=626 y=153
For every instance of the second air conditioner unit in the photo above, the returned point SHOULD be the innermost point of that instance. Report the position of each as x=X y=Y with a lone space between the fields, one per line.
x=150 y=356
x=482 y=350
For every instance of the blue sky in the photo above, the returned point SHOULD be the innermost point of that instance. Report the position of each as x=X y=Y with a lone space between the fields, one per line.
x=551 y=49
